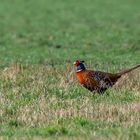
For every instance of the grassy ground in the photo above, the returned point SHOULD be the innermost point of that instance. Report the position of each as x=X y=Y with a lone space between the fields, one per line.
x=39 y=95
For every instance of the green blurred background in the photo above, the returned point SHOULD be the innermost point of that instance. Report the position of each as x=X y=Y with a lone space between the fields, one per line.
x=34 y=32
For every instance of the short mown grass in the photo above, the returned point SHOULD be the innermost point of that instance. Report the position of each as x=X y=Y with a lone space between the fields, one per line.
x=39 y=94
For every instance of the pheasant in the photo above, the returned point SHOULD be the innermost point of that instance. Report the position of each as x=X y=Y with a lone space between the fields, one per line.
x=97 y=81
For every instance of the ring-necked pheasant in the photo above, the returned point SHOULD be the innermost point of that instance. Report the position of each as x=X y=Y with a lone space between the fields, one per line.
x=97 y=81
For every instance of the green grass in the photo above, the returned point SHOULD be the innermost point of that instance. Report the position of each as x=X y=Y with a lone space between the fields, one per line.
x=39 y=94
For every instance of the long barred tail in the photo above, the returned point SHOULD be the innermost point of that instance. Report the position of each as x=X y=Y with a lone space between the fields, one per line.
x=128 y=70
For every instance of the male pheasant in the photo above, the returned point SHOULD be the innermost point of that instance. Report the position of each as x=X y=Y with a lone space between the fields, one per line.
x=97 y=81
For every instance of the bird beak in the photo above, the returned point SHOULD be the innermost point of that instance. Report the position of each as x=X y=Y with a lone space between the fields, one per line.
x=74 y=63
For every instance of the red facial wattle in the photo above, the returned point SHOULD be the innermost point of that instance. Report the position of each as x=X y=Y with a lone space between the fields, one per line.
x=76 y=63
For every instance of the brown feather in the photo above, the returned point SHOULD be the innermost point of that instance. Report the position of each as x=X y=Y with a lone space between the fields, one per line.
x=128 y=70
x=98 y=81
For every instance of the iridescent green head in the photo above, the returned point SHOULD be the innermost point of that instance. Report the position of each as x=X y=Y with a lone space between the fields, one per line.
x=79 y=65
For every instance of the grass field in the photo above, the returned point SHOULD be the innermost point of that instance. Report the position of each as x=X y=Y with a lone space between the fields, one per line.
x=39 y=95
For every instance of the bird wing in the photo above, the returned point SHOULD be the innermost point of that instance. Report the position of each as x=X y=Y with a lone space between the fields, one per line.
x=102 y=78
x=98 y=76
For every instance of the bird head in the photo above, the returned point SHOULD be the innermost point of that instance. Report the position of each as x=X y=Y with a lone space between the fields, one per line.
x=79 y=65
x=77 y=62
